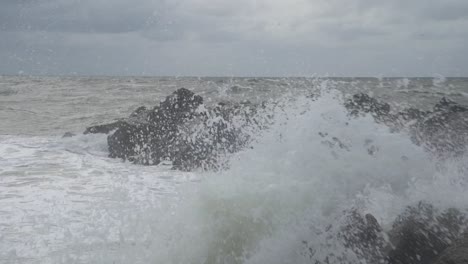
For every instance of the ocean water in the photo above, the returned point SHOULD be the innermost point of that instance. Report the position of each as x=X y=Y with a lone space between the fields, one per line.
x=62 y=200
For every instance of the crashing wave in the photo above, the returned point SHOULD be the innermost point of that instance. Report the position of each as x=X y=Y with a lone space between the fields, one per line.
x=325 y=181
x=186 y=132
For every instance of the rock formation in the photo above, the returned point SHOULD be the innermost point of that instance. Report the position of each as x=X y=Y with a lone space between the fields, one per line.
x=443 y=130
x=183 y=130
x=420 y=235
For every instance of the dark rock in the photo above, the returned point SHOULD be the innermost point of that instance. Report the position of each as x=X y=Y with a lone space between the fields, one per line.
x=443 y=131
x=449 y=106
x=412 y=114
x=139 y=111
x=363 y=103
x=103 y=129
x=180 y=130
x=133 y=142
x=455 y=254
x=422 y=233
x=364 y=236
x=356 y=238
x=178 y=107
x=68 y=134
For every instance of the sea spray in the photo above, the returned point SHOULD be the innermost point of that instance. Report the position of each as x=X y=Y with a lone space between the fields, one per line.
x=278 y=197
x=281 y=200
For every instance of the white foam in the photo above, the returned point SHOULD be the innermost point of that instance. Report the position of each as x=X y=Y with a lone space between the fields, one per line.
x=61 y=198
x=313 y=163
x=293 y=183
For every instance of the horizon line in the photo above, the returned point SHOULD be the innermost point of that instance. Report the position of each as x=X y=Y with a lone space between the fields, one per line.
x=221 y=76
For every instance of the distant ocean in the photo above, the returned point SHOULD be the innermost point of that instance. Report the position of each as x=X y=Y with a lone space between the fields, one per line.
x=62 y=200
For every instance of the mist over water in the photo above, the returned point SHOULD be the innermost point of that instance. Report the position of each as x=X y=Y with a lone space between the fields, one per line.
x=63 y=201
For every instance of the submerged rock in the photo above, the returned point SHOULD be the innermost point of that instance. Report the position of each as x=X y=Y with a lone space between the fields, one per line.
x=422 y=233
x=364 y=236
x=182 y=130
x=455 y=254
x=104 y=129
x=443 y=130
x=355 y=238
x=68 y=134
x=363 y=103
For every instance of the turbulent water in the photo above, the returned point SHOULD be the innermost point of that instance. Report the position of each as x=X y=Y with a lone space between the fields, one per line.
x=62 y=200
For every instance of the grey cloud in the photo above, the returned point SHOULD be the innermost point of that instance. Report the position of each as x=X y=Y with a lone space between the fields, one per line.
x=447 y=11
x=192 y=28
x=343 y=32
x=421 y=10
x=76 y=16
x=244 y=37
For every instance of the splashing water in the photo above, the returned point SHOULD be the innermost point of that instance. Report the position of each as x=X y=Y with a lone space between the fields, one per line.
x=313 y=163
x=298 y=177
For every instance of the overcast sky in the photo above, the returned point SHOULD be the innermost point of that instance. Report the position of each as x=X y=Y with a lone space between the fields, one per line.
x=235 y=37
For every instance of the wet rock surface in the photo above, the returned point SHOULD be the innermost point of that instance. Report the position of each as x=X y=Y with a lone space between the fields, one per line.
x=421 y=234
x=455 y=254
x=363 y=235
x=180 y=129
x=443 y=130
x=183 y=130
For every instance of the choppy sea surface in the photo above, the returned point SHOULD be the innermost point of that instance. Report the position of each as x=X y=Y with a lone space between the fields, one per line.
x=62 y=200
